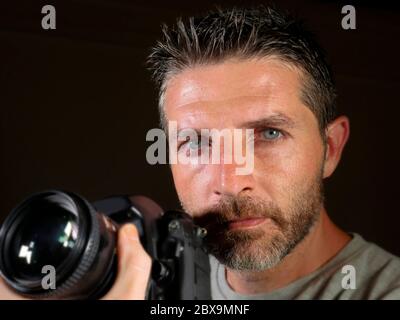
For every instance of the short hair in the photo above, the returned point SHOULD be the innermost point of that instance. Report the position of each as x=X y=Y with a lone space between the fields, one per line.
x=246 y=33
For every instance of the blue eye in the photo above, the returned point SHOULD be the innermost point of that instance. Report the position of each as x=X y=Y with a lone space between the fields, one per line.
x=193 y=145
x=197 y=144
x=271 y=134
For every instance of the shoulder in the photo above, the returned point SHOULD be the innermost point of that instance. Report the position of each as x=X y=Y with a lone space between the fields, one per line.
x=378 y=272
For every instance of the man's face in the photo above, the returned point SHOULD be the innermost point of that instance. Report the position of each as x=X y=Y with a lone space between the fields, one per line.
x=254 y=220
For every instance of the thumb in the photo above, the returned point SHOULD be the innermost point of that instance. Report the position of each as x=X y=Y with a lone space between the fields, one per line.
x=134 y=266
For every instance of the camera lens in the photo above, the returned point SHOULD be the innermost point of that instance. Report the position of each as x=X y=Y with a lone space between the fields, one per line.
x=63 y=231
x=46 y=235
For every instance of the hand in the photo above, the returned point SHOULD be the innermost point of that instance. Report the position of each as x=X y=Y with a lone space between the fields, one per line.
x=134 y=267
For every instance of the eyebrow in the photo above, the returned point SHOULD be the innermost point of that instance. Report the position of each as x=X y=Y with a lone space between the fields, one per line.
x=278 y=120
x=275 y=120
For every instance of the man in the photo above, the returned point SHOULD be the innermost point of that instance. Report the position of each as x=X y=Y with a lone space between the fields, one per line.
x=269 y=234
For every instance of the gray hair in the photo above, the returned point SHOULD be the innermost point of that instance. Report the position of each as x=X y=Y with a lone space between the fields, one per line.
x=246 y=33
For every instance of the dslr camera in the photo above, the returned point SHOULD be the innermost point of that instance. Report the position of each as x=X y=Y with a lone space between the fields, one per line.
x=79 y=239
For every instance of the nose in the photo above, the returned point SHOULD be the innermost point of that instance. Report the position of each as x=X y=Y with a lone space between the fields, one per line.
x=228 y=182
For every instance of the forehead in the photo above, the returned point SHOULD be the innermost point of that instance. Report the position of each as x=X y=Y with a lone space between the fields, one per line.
x=233 y=91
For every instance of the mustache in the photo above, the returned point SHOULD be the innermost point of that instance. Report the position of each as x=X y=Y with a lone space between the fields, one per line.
x=232 y=208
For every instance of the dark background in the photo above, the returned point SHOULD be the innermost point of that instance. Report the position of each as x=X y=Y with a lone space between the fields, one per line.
x=76 y=103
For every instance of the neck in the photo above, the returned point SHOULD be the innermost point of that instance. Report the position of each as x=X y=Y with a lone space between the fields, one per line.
x=323 y=242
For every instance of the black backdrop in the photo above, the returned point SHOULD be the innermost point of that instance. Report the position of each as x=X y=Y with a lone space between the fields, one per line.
x=76 y=103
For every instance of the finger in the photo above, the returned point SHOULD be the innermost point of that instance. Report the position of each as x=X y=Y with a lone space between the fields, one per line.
x=7 y=294
x=134 y=266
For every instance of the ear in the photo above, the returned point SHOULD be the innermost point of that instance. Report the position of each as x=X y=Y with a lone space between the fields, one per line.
x=337 y=134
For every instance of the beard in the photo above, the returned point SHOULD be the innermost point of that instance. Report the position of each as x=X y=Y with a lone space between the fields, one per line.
x=258 y=248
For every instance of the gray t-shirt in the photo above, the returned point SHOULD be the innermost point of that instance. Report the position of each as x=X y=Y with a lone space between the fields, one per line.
x=377 y=276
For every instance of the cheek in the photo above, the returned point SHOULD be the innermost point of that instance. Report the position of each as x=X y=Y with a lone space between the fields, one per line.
x=282 y=170
x=191 y=184
x=180 y=179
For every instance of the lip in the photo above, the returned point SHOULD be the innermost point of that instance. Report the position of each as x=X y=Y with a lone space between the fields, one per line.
x=246 y=223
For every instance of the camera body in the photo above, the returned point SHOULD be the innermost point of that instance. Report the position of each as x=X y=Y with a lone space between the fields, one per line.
x=180 y=267
x=79 y=239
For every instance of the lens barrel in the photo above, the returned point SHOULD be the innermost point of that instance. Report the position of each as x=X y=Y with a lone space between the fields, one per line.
x=61 y=231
